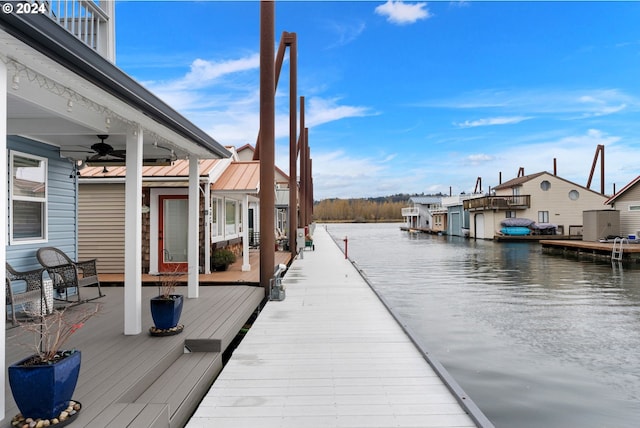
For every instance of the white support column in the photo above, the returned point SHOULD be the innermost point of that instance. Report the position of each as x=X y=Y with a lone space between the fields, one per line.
x=133 y=234
x=3 y=215
x=207 y=227
x=193 y=243
x=246 y=266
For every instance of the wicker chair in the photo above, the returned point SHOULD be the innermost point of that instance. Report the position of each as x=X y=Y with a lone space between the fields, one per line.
x=65 y=273
x=32 y=293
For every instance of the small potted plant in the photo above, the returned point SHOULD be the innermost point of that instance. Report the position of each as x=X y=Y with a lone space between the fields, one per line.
x=166 y=308
x=221 y=259
x=43 y=383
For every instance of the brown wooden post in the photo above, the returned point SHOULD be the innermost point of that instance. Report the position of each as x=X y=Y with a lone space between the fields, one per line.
x=303 y=168
x=307 y=175
x=601 y=169
x=267 y=143
x=293 y=136
x=310 y=190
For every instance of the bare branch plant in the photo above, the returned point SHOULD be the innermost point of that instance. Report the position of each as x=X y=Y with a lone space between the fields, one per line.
x=168 y=282
x=52 y=331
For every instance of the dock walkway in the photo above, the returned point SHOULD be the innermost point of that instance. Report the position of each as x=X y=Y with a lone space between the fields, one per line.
x=330 y=355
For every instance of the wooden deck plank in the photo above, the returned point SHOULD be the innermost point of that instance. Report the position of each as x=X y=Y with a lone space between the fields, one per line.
x=116 y=367
x=141 y=415
x=152 y=416
x=176 y=377
x=233 y=275
x=586 y=245
x=184 y=384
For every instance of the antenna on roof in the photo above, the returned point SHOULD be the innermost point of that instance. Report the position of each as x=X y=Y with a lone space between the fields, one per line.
x=521 y=172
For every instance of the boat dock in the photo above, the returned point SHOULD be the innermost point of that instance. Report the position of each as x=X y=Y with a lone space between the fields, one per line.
x=331 y=355
x=592 y=250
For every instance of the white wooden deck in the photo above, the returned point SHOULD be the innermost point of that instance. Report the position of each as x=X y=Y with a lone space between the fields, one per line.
x=329 y=355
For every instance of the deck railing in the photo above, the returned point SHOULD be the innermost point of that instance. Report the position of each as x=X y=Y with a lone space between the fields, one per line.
x=507 y=203
x=410 y=211
x=88 y=20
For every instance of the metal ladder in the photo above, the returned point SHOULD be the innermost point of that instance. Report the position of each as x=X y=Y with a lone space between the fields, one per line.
x=618 y=248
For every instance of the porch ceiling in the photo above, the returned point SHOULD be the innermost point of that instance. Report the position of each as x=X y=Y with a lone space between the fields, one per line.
x=53 y=104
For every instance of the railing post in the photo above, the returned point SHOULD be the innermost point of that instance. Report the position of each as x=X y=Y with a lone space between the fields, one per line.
x=346 y=247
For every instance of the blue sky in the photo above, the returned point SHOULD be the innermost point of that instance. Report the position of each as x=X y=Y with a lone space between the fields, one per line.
x=408 y=97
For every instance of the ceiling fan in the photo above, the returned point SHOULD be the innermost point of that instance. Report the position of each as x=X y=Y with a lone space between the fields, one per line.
x=105 y=155
x=105 y=152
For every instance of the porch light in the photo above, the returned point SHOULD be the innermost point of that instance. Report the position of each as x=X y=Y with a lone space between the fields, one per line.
x=69 y=106
x=15 y=85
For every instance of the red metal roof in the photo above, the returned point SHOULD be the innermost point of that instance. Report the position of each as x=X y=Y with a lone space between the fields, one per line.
x=239 y=176
x=180 y=168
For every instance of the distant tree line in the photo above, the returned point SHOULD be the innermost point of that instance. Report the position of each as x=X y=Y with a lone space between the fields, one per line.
x=361 y=210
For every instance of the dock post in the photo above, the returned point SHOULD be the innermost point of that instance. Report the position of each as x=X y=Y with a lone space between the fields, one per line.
x=267 y=142
x=346 y=247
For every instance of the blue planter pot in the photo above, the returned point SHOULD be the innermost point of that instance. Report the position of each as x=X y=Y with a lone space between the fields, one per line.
x=43 y=391
x=166 y=312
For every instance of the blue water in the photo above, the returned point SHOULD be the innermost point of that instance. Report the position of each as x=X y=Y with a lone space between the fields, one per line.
x=536 y=340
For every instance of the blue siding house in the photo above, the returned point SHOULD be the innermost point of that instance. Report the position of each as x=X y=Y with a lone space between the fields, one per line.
x=46 y=216
x=65 y=104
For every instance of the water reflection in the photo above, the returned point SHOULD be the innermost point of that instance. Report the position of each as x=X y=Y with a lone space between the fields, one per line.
x=536 y=340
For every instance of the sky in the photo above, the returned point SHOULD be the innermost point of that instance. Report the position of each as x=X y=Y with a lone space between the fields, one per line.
x=408 y=97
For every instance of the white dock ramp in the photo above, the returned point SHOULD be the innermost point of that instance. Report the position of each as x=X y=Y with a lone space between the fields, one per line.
x=329 y=355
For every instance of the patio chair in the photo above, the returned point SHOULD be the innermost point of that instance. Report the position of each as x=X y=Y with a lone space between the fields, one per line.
x=32 y=293
x=66 y=273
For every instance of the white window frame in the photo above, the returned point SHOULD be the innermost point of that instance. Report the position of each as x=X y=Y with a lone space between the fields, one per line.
x=543 y=216
x=217 y=227
x=43 y=200
x=228 y=232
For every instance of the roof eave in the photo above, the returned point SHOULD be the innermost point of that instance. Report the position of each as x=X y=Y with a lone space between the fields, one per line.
x=53 y=41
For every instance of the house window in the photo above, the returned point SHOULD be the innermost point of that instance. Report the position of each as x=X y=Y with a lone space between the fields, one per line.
x=574 y=195
x=545 y=185
x=230 y=217
x=28 y=198
x=634 y=207
x=217 y=224
x=543 y=216
x=510 y=214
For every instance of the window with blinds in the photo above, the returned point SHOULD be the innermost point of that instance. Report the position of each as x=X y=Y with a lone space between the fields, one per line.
x=28 y=190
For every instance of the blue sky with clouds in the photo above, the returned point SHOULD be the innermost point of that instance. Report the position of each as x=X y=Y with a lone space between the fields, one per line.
x=405 y=97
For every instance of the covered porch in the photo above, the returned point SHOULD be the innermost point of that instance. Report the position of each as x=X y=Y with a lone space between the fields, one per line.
x=233 y=275
x=142 y=380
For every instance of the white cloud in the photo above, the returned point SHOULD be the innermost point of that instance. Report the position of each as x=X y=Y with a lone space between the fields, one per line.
x=600 y=103
x=492 y=121
x=343 y=175
x=573 y=104
x=398 y=12
x=323 y=110
x=220 y=98
x=479 y=158
x=574 y=157
x=346 y=33
x=204 y=72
